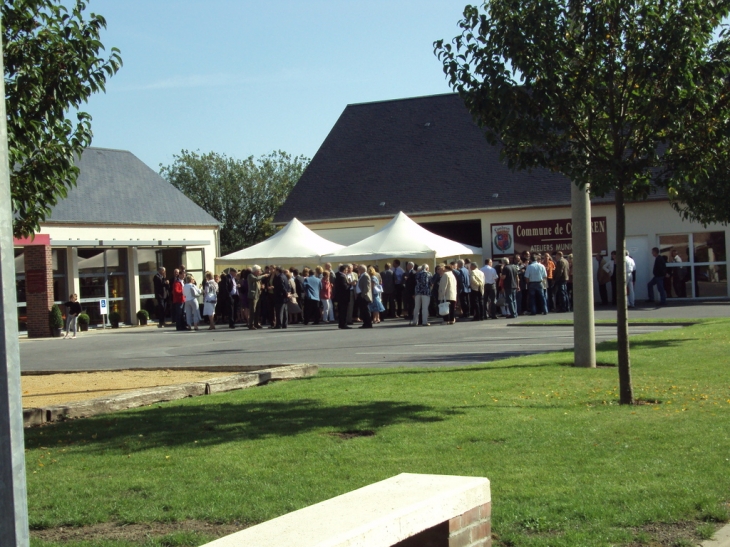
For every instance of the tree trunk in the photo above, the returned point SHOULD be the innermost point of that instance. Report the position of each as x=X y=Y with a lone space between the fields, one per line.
x=626 y=390
x=584 y=329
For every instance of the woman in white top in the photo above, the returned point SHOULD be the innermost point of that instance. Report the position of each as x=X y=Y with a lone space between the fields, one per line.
x=192 y=309
x=210 y=299
x=447 y=291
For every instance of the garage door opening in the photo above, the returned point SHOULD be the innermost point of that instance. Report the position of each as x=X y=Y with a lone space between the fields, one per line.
x=468 y=232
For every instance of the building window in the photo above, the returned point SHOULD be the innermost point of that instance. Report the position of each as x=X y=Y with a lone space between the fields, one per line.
x=194 y=265
x=103 y=274
x=147 y=269
x=60 y=287
x=696 y=264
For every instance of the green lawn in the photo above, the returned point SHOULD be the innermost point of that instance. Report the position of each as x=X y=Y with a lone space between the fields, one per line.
x=568 y=465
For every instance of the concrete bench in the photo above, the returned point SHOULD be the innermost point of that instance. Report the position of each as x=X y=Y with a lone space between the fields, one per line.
x=405 y=511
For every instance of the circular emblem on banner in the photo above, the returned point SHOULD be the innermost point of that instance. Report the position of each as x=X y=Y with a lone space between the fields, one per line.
x=503 y=239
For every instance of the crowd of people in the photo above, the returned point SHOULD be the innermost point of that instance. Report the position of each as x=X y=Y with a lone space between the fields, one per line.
x=273 y=296
x=276 y=297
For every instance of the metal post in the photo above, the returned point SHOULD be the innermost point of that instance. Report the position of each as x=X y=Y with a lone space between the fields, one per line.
x=13 y=500
x=584 y=331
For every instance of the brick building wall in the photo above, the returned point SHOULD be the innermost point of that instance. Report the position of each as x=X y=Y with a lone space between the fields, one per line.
x=38 y=289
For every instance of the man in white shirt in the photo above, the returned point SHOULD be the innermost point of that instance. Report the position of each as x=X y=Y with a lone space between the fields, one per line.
x=490 y=289
x=535 y=273
x=630 y=269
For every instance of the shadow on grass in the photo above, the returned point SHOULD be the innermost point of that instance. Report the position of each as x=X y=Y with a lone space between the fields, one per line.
x=445 y=370
x=214 y=423
x=612 y=345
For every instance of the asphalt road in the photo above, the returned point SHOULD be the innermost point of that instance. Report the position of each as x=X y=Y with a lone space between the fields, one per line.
x=389 y=344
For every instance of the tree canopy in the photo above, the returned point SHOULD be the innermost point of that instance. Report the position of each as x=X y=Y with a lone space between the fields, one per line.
x=626 y=96
x=244 y=195
x=53 y=64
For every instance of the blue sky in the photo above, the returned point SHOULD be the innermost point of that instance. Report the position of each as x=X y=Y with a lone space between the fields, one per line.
x=245 y=78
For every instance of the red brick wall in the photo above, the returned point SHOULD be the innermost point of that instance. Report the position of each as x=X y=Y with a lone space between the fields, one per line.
x=38 y=289
x=472 y=529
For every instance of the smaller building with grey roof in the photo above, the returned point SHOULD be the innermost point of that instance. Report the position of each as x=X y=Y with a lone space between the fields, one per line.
x=117 y=226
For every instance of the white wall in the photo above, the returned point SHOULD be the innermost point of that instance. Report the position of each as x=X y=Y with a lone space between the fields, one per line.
x=59 y=233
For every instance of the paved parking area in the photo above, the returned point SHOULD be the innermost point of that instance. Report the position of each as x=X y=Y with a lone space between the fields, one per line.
x=389 y=344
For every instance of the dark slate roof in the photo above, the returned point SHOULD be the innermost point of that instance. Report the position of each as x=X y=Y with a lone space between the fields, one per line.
x=116 y=187
x=418 y=155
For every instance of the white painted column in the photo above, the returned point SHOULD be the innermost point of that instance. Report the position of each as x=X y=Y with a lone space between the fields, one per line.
x=13 y=492
x=133 y=284
x=72 y=270
x=584 y=333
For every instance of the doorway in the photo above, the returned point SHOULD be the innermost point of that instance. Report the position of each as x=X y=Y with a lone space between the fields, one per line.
x=638 y=248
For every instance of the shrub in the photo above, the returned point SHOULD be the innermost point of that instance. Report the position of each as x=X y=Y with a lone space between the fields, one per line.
x=56 y=318
x=83 y=319
x=114 y=318
x=143 y=316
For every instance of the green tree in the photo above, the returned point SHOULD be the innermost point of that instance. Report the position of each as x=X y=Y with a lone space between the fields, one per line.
x=619 y=95
x=244 y=195
x=52 y=66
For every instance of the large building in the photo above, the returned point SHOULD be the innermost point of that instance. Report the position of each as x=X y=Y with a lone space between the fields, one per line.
x=120 y=222
x=426 y=157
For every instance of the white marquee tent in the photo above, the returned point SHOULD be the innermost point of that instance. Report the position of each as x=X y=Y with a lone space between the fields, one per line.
x=293 y=244
x=402 y=238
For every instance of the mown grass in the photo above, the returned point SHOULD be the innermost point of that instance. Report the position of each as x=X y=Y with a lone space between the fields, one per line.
x=568 y=465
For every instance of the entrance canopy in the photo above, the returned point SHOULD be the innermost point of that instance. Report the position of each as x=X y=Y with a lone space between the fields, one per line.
x=402 y=238
x=294 y=243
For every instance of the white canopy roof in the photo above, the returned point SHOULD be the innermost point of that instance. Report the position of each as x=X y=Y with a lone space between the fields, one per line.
x=403 y=238
x=292 y=244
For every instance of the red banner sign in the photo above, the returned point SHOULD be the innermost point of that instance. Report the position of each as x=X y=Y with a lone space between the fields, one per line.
x=544 y=236
x=36 y=282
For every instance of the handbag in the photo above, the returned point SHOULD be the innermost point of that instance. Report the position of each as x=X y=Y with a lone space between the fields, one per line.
x=501 y=300
x=444 y=308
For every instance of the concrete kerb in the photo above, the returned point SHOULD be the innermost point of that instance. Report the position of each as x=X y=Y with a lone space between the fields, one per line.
x=720 y=539
x=642 y=324
x=149 y=396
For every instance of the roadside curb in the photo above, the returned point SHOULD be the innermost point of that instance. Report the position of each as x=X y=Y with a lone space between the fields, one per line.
x=642 y=324
x=143 y=397
x=720 y=539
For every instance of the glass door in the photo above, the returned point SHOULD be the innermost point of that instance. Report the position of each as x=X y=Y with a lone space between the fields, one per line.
x=103 y=274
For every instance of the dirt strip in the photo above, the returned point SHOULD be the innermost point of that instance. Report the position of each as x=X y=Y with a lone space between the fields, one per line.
x=55 y=389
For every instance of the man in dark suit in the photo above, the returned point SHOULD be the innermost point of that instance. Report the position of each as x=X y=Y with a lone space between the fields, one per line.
x=364 y=297
x=409 y=292
x=281 y=298
x=342 y=295
x=659 y=273
x=228 y=293
x=162 y=293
